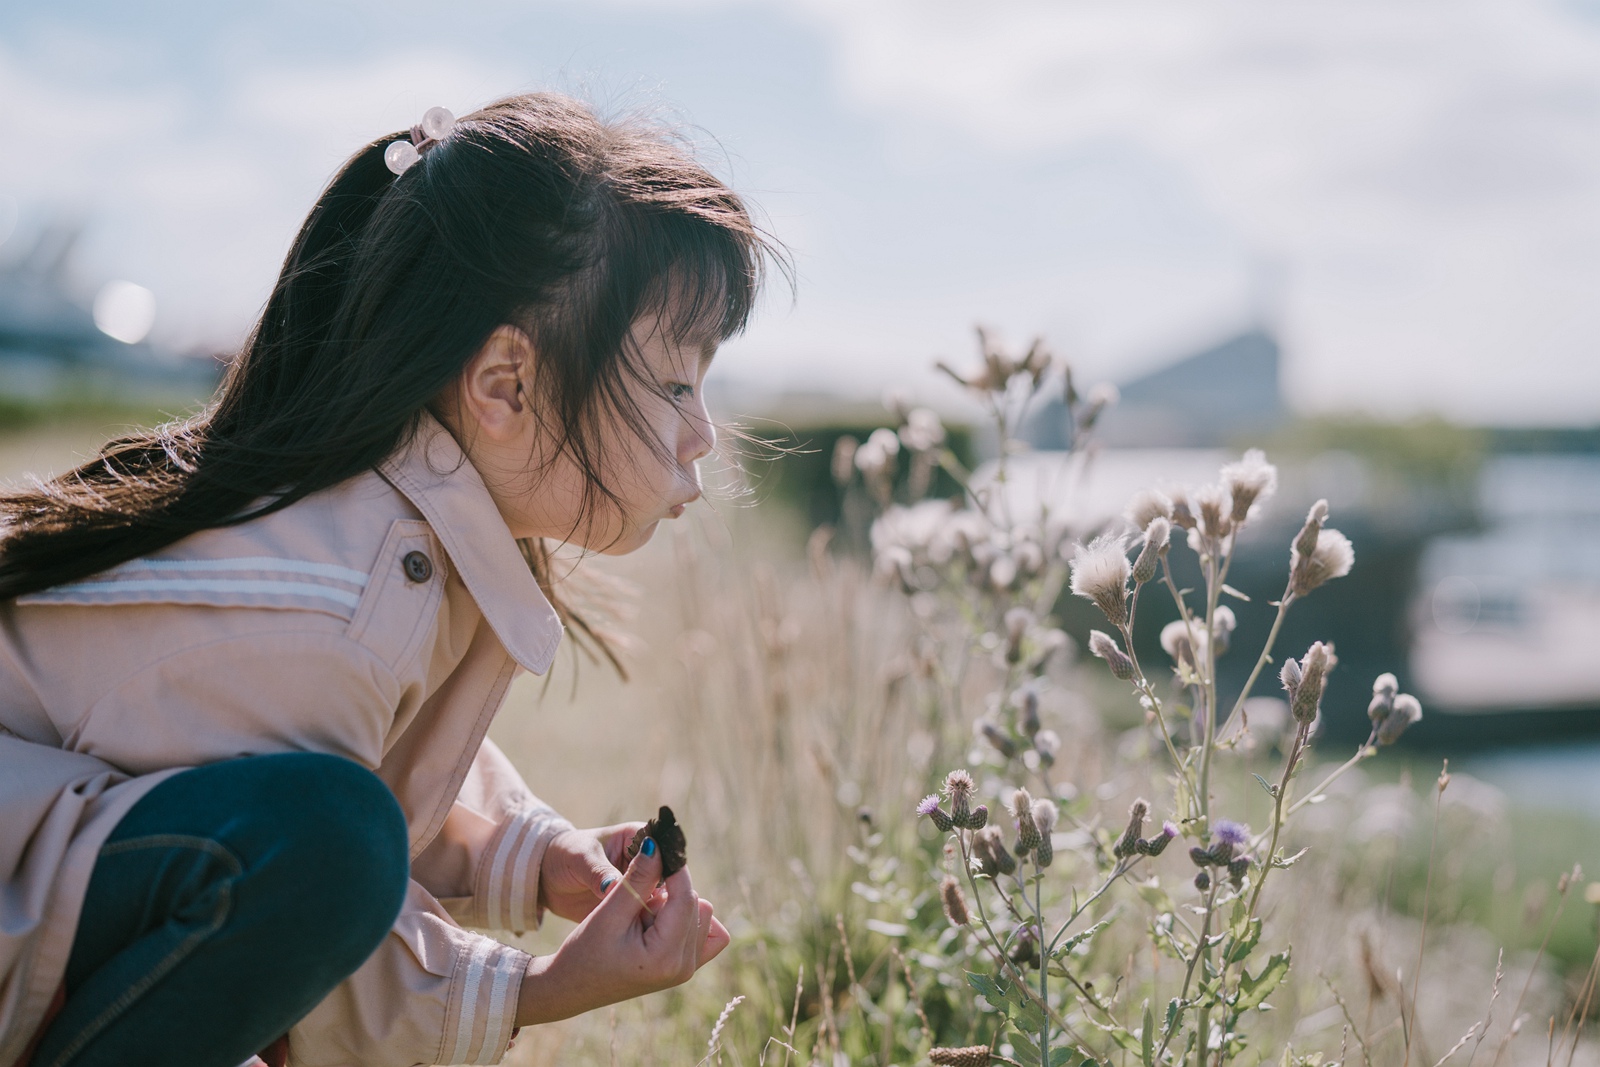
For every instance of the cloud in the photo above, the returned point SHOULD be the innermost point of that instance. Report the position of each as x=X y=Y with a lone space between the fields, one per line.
x=1427 y=172
x=195 y=190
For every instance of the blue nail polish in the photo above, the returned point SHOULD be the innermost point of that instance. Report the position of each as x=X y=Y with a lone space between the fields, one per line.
x=649 y=846
x=607 y=884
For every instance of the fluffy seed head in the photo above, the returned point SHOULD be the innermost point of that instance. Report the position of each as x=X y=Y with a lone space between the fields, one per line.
x=1223 y=623
x=1332 y=557
x=1290 y=677
x=955 y=902
x=1386 y=684
x=1407 y=710
x=1182 y=513
x=1027 y=829
x=1028 y=704
x=1047 y=743
x=1178 y=640
x=922 y=430
x=1216 y=511
x=1105 y=646
x=1249 y=481
x=958 y=788
x=1146 y=505
x=1044 y=817
x=1100 y=573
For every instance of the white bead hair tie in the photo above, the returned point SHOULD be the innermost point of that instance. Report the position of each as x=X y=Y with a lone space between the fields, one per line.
x=401 y=155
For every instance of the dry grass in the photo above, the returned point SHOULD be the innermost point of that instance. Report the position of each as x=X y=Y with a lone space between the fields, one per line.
x=774 y=700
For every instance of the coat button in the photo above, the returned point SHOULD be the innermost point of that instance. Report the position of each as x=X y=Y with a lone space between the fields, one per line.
x=418 y=567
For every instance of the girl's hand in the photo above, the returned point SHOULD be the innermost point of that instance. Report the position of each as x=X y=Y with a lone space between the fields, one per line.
x=579 y=865
x=639 y=939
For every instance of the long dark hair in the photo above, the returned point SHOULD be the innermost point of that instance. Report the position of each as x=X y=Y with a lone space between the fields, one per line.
x=531 y=212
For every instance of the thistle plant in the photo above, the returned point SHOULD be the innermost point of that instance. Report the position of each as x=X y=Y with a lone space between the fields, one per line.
x=1024 y=891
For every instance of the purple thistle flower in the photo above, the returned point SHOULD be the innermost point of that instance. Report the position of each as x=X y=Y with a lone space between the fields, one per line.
x=928 y=804
x=1230 y=832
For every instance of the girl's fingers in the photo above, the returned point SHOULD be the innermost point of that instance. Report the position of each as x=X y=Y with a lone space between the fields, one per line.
x=630 y=895
x=677 y=927
x=717 y=938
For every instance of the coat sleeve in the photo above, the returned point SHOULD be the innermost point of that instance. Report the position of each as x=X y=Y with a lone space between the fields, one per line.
x=502 y=859
x=432 y=993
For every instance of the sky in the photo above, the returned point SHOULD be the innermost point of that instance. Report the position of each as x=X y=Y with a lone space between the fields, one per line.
x=1407 y=192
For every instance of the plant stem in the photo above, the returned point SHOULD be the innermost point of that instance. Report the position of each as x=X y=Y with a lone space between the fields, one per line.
x=1044 y=971
x=1261 y=660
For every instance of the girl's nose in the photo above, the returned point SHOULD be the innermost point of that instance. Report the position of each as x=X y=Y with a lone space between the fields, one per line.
x=701 y=437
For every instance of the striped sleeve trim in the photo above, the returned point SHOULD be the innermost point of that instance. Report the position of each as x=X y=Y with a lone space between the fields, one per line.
x=486 y=1016
x=508 y=889
x=246 y=581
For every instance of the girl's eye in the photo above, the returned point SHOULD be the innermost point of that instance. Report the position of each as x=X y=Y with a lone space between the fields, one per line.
x=680 y=391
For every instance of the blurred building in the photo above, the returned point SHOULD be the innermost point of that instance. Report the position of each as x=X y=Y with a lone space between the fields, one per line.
x=52 y=350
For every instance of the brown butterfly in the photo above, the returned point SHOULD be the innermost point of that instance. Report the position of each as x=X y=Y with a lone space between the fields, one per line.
x=669 y=839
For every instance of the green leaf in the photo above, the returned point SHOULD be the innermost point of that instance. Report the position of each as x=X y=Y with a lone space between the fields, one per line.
x=1272 y=790
x=1253 y=990
x=1244 y=943
x=1174 y=1009
x=1120 y=1035
x=1061 y=1054
x=1285 y=862
x=994 y=990
x=1026 y=1046
x=1147 y=1037
x=1079 y=938
x=1028 y=1017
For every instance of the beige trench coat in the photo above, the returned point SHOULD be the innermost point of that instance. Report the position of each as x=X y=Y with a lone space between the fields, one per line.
x=318 y=628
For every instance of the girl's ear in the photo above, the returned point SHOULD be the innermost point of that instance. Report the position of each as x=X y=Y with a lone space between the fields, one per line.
x=494 y=389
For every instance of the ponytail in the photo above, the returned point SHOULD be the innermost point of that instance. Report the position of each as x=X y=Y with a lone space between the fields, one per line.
x=531 y=212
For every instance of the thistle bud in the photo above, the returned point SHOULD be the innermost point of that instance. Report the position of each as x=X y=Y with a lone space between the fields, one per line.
x=998 y=740
x=1384 y=688
x=1237 y=869
x=1128 y=843
x=978 y=817
x=929 y=806
x=1047 y=744
x=1216 y=511
x=958 y=790
x=1308 y=694
x=1305 y=542
x=1017 y=621
x=1028 y=702
x=1200 y=856
x=1105 y=646
x=955 y=902
x=989 y=849
x=1157 y=538
x=965 y=1056
x=1202 y=881
x=1025 y=947
x=844 y=459
x=1229 y=839
x=1027 y=829
x=1156 y=845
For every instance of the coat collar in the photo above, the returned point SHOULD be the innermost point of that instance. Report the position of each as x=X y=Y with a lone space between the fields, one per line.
x=434 y=474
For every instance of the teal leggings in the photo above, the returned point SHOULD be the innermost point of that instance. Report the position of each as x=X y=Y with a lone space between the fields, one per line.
x=227 y=903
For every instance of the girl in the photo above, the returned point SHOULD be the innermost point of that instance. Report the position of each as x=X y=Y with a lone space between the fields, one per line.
x=247 y=661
